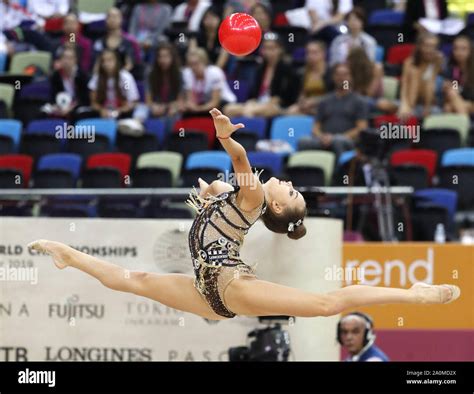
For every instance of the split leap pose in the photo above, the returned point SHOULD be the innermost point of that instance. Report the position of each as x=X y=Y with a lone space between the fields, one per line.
x=223 y=285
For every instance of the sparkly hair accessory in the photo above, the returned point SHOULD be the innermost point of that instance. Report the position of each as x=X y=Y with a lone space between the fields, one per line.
x=291 y=225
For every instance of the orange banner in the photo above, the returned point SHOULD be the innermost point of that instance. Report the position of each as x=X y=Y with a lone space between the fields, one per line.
x=401 y=265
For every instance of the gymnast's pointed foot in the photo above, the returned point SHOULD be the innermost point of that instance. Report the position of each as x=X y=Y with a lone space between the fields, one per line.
x=435 y=294
x=54 y=249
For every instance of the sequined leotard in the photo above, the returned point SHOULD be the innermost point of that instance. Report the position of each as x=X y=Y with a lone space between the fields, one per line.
x=215 y=238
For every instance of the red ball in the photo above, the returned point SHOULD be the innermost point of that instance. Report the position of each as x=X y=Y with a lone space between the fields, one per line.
x=240 y=34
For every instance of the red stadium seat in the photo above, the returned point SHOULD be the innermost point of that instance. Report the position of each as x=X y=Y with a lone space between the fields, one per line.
x=423 y=157
x=384 y=119
x=23 y=163
x=119 y=161
x=399 y=53
x=280 y=20
x=202 y=124
x=54 y=25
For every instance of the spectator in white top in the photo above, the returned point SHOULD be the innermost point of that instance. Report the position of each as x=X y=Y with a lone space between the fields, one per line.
x=12 y=15
x=192 y=12
x=48 y=8
x=326 y=17
x=20 y=27
x=355 y=37
x=205 y=85
x=114 y=92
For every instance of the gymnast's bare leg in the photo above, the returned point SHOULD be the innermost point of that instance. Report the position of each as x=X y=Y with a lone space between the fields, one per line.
x=174 y=290
x=249 y=297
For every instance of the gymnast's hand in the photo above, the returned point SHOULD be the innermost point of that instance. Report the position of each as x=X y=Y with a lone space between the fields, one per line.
x=224 y=127
x=203 y=185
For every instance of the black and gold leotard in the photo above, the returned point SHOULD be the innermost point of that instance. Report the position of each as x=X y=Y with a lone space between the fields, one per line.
x=215 y=238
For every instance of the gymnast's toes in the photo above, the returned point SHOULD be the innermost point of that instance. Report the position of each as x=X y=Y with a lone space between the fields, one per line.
x=52 y=248
x=435 y=294
x=40 y=245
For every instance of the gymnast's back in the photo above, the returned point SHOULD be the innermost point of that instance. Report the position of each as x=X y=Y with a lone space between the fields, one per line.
x=219 y=228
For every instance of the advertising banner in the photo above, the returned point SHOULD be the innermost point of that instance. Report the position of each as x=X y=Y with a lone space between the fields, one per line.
x=401 y=265
x=54 y=315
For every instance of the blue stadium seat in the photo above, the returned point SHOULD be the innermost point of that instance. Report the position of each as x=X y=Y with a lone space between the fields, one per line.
x=11 y=128
x=45 y=126
x=258 y=125
x=462 y=156
x=345 y=157
x=386 y=17
x=379 y=54
x=65 y=161
x=3 y=61
x=444 y=197
x=105 y=127
x=291 y=128
x=268 y=160
x=157 y=127
x=40 y=91
x=209 y=159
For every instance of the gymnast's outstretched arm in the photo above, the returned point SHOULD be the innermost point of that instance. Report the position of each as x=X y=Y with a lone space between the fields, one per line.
x=251 y=193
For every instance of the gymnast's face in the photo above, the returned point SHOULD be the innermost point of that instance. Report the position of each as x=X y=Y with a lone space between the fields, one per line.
x=352 y=333
x=281 y=195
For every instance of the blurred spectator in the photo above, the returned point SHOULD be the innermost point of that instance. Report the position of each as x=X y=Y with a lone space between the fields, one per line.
x=245 y=6
x=19 y=27
x=208 y=38
x=459 y=74
x=341 y=116
x=115 y=39
x=367 y=80
x=416 y=9
x=316 y=80
x=418 y=82
x=355 y=333
x=274 y=88
x=74 y=38
x=262 y=12
x=326 y=17
x=191 y=12
x=70 y=79
x=12 y=15
x=114 y=92
x=355 y=37
x=148 y=23
x=165 y=83
x=48 y=8
x=205 y=85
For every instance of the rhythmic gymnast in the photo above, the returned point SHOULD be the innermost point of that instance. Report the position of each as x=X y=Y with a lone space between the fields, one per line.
x=223 y=285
